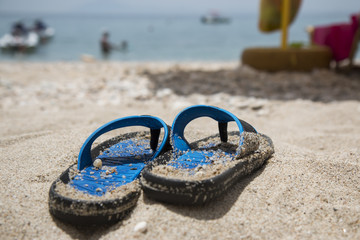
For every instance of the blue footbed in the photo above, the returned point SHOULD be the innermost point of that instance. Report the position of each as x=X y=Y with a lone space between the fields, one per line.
x=198 y=157
x=128 y=157
x=124 y=160
x=186 y=158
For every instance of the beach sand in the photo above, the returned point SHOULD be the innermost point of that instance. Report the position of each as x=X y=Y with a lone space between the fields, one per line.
x=309 y=189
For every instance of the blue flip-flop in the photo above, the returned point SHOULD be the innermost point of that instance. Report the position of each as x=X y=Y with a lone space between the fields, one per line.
x=103 y=186
x=175 y=177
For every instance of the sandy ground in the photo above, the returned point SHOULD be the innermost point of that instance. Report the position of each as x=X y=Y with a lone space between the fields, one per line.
x=309 y=189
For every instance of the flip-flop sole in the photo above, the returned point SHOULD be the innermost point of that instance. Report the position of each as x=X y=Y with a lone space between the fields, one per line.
x=193 y=192
x=83 y=212
x=79 y=211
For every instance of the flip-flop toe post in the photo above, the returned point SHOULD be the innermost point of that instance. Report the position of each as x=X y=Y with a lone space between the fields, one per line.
x=195 y=173
x=103 y=186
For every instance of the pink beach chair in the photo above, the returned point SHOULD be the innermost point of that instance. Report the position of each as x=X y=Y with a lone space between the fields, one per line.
x=341 y=38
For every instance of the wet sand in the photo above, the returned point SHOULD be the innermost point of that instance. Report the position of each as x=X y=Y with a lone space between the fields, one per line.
x=309 y=189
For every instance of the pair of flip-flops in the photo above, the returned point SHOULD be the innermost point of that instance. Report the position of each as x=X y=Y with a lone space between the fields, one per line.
x=106 y=184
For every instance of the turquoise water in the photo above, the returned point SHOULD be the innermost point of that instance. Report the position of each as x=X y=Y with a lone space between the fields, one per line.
x=157 y=38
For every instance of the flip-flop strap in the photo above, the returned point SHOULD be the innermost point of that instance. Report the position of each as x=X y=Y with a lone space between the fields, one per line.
x=224 y=133
x=220 y=115
x=154 y=123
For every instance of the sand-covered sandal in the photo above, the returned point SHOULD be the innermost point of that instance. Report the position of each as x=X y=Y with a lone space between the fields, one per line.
x=198 y=172
x=104 y=184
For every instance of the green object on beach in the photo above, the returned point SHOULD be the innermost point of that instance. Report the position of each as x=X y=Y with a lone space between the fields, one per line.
x=297 y=45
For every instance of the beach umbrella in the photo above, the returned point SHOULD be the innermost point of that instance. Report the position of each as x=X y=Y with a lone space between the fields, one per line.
x=275 y=15
x=278 y=14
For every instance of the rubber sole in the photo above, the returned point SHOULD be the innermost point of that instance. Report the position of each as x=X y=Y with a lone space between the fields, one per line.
x=196 y=192
x=91 y=212
x=82 y=212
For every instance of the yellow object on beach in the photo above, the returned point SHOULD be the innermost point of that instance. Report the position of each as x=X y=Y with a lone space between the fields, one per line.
x=275 y=15
x=289 y=59
x=271 y=12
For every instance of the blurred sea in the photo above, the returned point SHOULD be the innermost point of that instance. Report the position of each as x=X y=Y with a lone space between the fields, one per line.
x=157 y=38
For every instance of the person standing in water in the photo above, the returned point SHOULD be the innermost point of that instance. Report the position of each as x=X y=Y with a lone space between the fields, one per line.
x=106 y=46
x=105 y=43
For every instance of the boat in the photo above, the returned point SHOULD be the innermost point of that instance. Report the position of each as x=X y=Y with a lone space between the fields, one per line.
x=214 y=18
x=45 y=34
x=26 y=39
x=19 y=43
